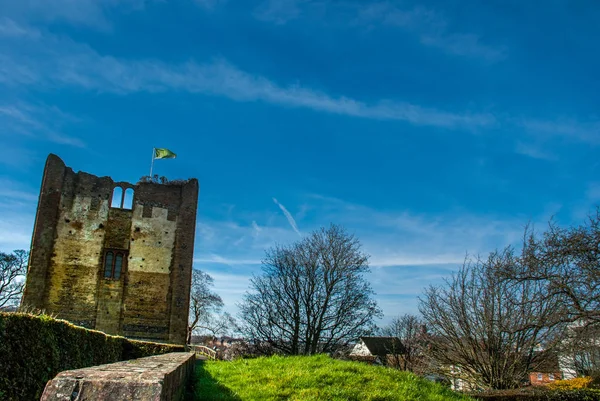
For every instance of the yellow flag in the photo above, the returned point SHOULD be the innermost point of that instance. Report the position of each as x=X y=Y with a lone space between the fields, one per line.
x=163 y=153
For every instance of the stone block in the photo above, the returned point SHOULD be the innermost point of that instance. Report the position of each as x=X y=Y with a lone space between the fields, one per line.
x=155 y=378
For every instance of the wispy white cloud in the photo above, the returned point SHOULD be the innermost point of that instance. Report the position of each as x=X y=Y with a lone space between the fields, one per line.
x=17 y=114
x=402 y=238
x=278 y=11
x=465 y=44
x=56 y=61
x=9 y=28
x=239 y=240
x=60 y=62
x=588 y=202
x=231 y=286
x=288 y=216
x=256 y=228
x=399 y=287
x=40 y=121
x=388 y=13
x=432 y=29
x=12 y=191
x=92 y=13
x=534 y=151
x=430 y=26
x=392 y=238
x=209 y=4
x=588 y=131
x=217 y=259
x=592 y=193
x=17 y=208
x=15 y=232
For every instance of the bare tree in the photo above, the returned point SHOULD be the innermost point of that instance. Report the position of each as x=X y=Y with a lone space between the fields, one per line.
x=483 y=327
x=565 y=264
x=203 y=302
x=312 y=295
x=13 y=267
x=410 y=329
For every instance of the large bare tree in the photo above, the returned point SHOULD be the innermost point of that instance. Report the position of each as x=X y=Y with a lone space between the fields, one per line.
x=483 y=328
x=312 y=296
x=13 y=267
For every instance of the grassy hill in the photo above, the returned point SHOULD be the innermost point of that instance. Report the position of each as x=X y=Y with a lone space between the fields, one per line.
x=311 y=378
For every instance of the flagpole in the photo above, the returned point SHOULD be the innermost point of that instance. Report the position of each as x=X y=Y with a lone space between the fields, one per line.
x=152 y=164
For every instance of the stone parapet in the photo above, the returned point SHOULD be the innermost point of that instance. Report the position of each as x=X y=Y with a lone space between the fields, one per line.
x=155 y=378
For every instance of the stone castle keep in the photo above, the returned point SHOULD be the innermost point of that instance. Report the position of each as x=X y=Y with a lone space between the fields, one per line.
x=113 y=256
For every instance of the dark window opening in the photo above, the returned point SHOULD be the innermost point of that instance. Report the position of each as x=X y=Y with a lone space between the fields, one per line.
x=118 y=265
x=113 y=264
x=108 y=263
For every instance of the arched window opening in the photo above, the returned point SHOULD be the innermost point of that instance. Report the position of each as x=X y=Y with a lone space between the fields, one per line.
x=128 y=199
x=117 y=198
x=108 y=264
x=113 y=263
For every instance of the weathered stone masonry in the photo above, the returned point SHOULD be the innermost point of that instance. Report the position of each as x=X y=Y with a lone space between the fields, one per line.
x=118 y=270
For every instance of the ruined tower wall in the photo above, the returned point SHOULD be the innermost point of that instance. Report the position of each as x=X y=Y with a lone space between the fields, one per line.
x=154 y=228
x=75 y=229
x=183 y=255
x=44 y=229
x=72 y=276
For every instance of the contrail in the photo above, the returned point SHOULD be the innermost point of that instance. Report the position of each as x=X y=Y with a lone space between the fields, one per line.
x=289 y=217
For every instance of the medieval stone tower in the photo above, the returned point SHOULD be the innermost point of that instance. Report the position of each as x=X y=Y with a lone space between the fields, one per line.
x=113 y=256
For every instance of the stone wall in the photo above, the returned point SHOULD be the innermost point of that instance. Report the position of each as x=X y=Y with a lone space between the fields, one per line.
x=155 y=378
x=75 y=228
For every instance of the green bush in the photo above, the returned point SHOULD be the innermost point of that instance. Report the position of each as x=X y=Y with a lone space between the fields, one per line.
x=34 y=348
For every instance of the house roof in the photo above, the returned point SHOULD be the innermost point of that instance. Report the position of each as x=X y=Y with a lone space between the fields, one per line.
x=546 y=362
x=382 y=346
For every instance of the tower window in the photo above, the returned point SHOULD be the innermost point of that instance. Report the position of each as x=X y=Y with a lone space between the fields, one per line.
x=122 y=198
x=113 y=263
x=128 y=199
x=117 y=197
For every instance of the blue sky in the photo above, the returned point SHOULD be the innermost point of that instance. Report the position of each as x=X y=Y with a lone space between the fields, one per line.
x=430 y=129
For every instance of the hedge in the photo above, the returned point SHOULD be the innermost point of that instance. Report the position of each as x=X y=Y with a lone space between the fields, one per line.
x=540 y=394
x=34 y=348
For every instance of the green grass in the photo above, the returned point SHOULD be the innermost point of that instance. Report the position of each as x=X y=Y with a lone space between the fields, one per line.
x=311 y=378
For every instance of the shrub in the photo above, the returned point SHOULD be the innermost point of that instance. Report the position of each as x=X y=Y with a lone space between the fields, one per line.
x=33 y=349
x=572 y=384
